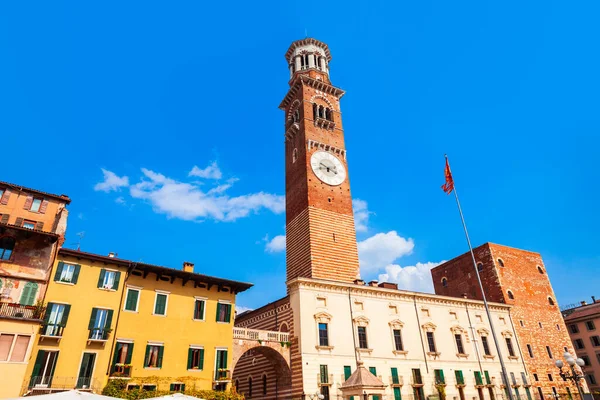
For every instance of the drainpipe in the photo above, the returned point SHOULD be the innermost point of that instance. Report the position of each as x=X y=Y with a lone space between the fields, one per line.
x=474 y=338
x=420 y=334
x=112 y=346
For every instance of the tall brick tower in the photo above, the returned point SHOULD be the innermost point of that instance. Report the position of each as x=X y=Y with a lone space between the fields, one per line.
x=515 y=277
x=320 y=233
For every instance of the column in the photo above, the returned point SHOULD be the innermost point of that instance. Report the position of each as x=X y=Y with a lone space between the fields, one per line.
x=291 y=71
x=323 y=64
x=297 y=61
x=311 y=61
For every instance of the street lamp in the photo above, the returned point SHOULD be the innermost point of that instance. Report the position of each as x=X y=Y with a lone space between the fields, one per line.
x=574 y=375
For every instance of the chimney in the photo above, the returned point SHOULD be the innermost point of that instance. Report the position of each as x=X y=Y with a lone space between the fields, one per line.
x=593 y=299
x=373 y=283
x=388 y=285
x=188 y=266
x=359 y=282
x=583 y=303
x=112 y=255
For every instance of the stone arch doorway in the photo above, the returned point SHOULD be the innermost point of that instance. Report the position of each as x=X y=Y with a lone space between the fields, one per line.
x=256 y=363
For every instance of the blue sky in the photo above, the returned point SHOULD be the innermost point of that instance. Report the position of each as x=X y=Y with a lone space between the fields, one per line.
x=177 y=102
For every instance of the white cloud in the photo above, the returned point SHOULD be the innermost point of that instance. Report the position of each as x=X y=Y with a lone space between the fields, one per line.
x=416 y=278
x=241 y=309
x=275 y=245
x=186 y=201
x=120 y=200
x=210 y=172
x=111 y=182
x=382 y=249
x=80 y=215
x=361 y=215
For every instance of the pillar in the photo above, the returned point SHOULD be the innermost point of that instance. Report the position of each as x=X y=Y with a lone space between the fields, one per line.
x=311 y=61
x=297 y=61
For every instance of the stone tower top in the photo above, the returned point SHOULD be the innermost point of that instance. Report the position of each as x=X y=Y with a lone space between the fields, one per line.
x=308 y=55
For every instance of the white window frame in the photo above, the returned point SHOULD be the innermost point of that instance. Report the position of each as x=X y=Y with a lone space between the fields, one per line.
x=199 y=347
x=157 y=344
x=12 y=347
x=95 y=362
x=164 y=293
x=114 y=271
x=137 y=304
x=217 y=349
x=204 y=299
x=220 y=301
x=63 y=271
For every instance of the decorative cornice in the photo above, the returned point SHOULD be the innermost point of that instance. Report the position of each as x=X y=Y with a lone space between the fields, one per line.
x=304 y=42
x=300 y=80
x=321 y=146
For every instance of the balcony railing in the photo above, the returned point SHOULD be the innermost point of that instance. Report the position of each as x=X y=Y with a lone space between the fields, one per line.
x=14 y=310
x=264 y=336
x=478 y=381
x=52 y=330
x=396 y=380
x=46 y=384
x=440 y=381
x=222 y=375
x=324 y=379
x=120 y=371
x=460 y=380
x=99 y=334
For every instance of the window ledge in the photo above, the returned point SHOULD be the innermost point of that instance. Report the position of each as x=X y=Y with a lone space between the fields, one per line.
x=223 y=322
x=159 y=315
x=107 y=289
x=400 y=352
x=65 y=283
x=462 y=355
x=323 y=347
x=192 y=370
x=434 y=354
x=131 y=311
x=198 y=320
x=513 y=357
x=152 y=368
x=361 y=350
x=489 y=357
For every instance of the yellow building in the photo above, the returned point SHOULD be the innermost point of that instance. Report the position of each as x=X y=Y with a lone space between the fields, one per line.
x=156 y=327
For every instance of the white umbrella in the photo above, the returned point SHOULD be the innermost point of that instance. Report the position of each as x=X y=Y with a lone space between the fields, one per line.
x=69 y=395
x=175 y=396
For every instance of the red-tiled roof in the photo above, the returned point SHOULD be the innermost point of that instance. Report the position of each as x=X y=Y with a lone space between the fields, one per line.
x=61 y=197
x=584 y=312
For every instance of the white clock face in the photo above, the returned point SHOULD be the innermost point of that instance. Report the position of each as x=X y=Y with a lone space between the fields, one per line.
x=328 y=168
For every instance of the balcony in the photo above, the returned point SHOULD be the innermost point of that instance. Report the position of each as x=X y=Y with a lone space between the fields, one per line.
x=37 y=385
x=396 y=381
x=120 y=371
x=222 y=375
x=99 y=335
x=324 y=123
x=261 y=336
x=460 y=381
x=325 y=379
x=52 y=331
x=439 y=381
x=19 y=311
x=478 y=382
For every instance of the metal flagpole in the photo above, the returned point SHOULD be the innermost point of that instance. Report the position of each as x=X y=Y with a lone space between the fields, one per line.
x=485 y=303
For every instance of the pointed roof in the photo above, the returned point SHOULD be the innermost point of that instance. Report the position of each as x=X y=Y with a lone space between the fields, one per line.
x=362 y=378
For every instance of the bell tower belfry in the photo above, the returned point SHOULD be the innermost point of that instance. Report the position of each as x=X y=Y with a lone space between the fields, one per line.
x=320 y=232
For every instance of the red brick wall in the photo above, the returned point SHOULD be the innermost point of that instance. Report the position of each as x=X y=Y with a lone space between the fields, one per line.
x=530 y=289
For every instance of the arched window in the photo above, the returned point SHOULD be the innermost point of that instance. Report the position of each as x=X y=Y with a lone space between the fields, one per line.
x=264 y=379
x=296 y=116
x=7 y=245
x=550 y=301
x=321 y=111
x=250 y=387
x=510 y=295
x=305 y=58
x=540 y=270
x=315 y=111
x=29 y=293
x=444 y=282
x=284 y=327
x=479 y=267
x=294 y=155
x=501 y=263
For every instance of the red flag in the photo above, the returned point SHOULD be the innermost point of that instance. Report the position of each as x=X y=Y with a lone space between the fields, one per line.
x=448 y=187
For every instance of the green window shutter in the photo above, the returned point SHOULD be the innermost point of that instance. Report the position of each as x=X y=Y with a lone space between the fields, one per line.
x=189 y=365
x=65 y=315
x=147 y=355
x=93 y=318
x=48 y=312
x=37 y=367
x=117 y=278
x=53 y=368
x=76 y=273
x=172 y=387
x=109 y=317
x=228 y=313
x=59 y=269
x=132 y=299
x=84 y=362
x=129 y=353
x=118 y=347
x=347 y=372
x=161 y=350
x=202 y=303
x=161 y=301
x=224 y=359
x=373 y=370
x=28 y=294
x=218 y=310
x=487 y=377
x=201 y=363
x=101 y=277
x=394 y=372
x=397 y=395
x=183 y=387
